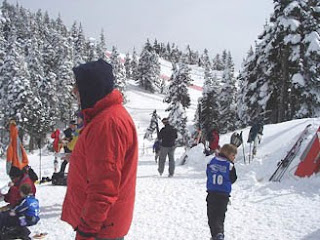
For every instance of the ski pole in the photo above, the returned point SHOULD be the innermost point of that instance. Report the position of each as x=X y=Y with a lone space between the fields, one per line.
x=250 y=153
x=244 y=155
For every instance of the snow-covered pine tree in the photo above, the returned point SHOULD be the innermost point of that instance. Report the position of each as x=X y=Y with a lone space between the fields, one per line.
x=3 y=42
x=39 y=122
x=118 y=71
x=91 y=50
x=209 y=105
x=242 y=109
x=227 y=97
x=217 y=63
x=309 y=100
x=153 y=126
x=149 y=69
x=134 y=66
x=79 y=45
x=64 y=81
x=205 y=59
x=17 y=98
x=101 y=46
x=179 y=100
x=176 y=54
x=127 y=66
x=280 y=82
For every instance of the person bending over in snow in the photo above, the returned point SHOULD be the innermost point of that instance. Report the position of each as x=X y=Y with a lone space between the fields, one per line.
x=221 y=173
x=18 y=178
x=26 y=213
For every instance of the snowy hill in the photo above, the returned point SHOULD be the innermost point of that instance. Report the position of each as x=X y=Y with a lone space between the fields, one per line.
x=175 y=208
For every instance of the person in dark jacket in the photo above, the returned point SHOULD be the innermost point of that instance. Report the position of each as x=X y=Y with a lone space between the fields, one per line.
x=255 y=135
x=221 y=173
x=103 y=165
x=167 y=136
x=68 y=137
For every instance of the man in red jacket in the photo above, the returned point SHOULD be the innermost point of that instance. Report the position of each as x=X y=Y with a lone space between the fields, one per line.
x=102 y=173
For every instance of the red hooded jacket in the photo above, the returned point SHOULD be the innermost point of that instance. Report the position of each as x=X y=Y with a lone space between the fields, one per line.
x=214 y=141
x=56 y=143
x=102 y=173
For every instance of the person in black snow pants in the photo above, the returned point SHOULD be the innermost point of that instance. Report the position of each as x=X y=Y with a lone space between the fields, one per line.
x=167 y=136
x=221 y=173
x=156 y=149
x=255 y=135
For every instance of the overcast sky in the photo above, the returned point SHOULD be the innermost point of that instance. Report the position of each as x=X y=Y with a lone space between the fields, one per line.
x=213 y=24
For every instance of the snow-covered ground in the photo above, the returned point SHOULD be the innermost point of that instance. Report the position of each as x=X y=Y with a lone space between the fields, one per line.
x=175 y=208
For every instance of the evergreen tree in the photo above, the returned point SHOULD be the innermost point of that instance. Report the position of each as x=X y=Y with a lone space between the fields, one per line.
x=281 y=78
x=134 y=66
x=118 y=71
x=149 y=69
x=18 y=100
x=217 y=63
x=153 y=126
x=101 y=47
x=127 y=66
x=209 y=105
x=179 y=99
x=79 y=46
x=227 y=97
x=91 y=50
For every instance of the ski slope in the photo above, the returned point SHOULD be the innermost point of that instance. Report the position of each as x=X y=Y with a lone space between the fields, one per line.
x=175 y=208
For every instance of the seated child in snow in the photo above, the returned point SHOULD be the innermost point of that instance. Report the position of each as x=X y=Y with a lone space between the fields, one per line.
x=26 y=213
x=221 y=173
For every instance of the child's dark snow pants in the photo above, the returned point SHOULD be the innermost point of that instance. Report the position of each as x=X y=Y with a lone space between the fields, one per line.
x=216 y=209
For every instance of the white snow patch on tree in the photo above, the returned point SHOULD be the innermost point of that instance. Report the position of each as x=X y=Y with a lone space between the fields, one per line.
x=298 y=79
x=314 y=39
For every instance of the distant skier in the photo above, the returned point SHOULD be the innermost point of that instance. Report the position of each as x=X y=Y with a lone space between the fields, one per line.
x=255 y=135
x=221 y=173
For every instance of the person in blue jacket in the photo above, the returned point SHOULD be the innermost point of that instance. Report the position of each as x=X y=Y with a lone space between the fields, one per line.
x=221 y=173
x=26 y=213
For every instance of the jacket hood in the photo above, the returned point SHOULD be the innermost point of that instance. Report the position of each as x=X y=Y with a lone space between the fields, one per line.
x=94 y=81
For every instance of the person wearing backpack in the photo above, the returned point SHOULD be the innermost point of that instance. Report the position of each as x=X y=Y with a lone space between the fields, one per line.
x=167 y=136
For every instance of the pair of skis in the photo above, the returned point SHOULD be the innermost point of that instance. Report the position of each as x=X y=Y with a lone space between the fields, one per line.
x=284 y=163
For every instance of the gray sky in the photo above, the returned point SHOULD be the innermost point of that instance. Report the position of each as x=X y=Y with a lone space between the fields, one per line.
x=213 y=24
